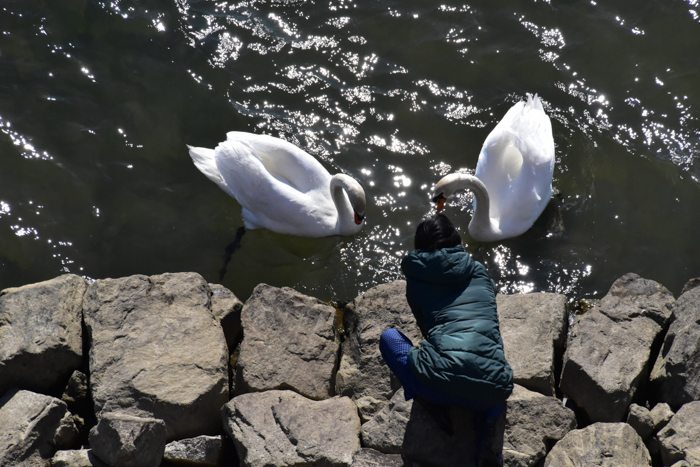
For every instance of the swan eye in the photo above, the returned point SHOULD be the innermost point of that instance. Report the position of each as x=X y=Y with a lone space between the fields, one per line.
x=358 y=218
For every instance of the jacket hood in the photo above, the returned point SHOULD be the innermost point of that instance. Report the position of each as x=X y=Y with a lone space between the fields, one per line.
x=446 y=266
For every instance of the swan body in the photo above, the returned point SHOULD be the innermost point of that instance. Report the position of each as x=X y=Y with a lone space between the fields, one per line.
x=282 y=188
x=513 y=180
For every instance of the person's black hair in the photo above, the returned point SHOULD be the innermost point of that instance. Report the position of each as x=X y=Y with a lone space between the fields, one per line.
x=435 y=233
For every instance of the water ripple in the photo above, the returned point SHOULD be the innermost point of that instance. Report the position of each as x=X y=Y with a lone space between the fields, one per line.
x=101 y=97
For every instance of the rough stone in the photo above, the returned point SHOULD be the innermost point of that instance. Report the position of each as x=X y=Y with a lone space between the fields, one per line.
x=680 y=439
x=76 y=458
x=600 y=444
x=202 y=450
x=327 y=430
x=363 y=376
x=123 y=440
x=640 y=419
x=289 y=342
x=609 y=351
x=690 y=285
x=76 y=390
x=41 y=333
x=661 y=414
x=283 y=428
x=534 y=422
x=32 y=427
x=157 y=351
x=682 y=464
x=676 y=373
x=227 y=309
x=367 y=457
x=249 y=421
x=385 y=432
x=533 y=328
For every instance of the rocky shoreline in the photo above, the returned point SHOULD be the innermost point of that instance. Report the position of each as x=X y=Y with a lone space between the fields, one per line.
x=167 y=369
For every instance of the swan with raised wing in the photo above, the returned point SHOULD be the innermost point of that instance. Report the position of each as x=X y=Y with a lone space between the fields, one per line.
x=513 y=180
x=282 y=188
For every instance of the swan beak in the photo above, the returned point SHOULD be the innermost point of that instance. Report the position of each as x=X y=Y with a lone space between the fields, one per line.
x=440 y=204
x=358 y=218
x=440 y=200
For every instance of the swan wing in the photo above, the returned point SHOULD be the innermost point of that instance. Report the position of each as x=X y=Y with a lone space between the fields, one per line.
x=205 y=160
x=274 y=190
x=283 y=160
x=534 y=133
x=500 y=162
x=516 y=164
x=524 y=200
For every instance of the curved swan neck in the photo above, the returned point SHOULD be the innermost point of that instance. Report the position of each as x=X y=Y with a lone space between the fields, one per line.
x=481 y=227
x=350 y=207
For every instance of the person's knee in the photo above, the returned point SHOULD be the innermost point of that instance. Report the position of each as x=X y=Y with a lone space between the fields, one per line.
x=389 y=334
x=384 y=340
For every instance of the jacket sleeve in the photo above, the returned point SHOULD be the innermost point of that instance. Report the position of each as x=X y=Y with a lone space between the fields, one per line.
x=415 y=308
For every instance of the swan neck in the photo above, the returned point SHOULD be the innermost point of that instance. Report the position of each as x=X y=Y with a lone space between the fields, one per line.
x=339 y=194
x=481 y=228
x=337 y=188
x=482 y=205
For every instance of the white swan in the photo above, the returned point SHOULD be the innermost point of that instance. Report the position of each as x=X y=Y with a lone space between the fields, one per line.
x=282 y=188
x=513 y=181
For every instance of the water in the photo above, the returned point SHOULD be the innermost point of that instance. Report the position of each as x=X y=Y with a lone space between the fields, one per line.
x=98 y=100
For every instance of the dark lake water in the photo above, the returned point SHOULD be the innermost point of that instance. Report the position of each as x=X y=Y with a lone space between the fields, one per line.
x=98 y=100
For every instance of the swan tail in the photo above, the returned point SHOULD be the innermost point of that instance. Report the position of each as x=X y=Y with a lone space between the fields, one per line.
x=534 y=102
x=204 y=159
x=534 y=130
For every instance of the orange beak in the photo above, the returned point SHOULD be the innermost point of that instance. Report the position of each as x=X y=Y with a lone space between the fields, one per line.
x=440 y=204
x=359 y=219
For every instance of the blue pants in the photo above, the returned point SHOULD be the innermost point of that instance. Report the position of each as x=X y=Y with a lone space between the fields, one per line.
x=394 y=347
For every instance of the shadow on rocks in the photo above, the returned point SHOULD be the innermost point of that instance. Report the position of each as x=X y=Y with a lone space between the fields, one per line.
x=440 y=436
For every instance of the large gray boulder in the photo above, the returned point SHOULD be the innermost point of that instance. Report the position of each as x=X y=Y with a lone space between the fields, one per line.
x=157 y=351
x=41 y=340
x=600 y=444
x=289 y=342
x=609 y=351
x=33 y=427
x=533 y=423
x=533 y=328
x=676 y=373
x=363 y=375
x=283 y=428
x=123 y=440
x=386 y=431
x=680 y=439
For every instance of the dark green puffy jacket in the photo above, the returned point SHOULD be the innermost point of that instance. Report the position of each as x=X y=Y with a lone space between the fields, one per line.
x=462 y=354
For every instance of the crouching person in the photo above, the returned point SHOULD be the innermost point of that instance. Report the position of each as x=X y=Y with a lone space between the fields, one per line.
x=461 y=360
